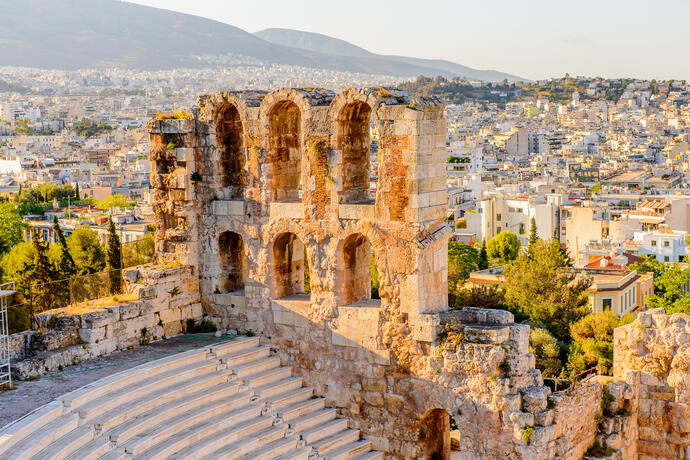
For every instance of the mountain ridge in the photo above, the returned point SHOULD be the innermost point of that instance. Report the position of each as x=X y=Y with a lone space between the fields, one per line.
x=81 y=34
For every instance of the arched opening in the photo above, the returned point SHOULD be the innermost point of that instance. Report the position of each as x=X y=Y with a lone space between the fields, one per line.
x=434 y=435
x=358 y=277
x=285 y=156
x=354 y=143
x=230 y=137
x=233 y=262
x=289 y=267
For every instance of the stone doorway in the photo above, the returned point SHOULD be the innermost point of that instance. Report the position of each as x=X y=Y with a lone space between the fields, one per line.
x=233 y=261
x=434 y=435
x=289 y=267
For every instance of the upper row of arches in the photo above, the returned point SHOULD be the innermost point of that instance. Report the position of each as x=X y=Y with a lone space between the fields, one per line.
x=283 y=114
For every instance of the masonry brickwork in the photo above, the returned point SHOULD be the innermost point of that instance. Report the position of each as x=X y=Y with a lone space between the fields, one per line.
x=297 y=207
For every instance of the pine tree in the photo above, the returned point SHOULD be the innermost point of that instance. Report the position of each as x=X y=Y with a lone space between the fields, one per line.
x=483 y=257
x=114 y=258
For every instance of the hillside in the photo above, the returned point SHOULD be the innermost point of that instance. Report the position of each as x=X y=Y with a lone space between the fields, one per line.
x=77 y=34
x=431 y=67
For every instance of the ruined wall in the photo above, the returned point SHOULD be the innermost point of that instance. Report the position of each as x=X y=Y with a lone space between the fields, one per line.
x=59 y=339
x=390 y=363
x=652 y=356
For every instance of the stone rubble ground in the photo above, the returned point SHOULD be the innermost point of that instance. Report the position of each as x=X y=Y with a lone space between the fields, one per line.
x=29 y=395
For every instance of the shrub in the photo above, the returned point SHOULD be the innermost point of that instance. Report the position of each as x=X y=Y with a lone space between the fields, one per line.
x=527 y=433
x=180 y=114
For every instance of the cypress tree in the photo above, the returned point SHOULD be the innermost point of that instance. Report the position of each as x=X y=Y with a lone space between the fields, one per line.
x=76 y=192
x=483 y=257
x=532 y=238
x=114 y=258
x=66 y=266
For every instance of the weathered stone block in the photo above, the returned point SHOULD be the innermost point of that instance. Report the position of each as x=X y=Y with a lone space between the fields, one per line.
x=91 y=335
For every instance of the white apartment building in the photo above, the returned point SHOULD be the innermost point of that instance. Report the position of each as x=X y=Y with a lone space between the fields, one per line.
x=665 y=244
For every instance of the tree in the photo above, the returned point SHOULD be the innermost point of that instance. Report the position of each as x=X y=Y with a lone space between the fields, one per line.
x=86 y=251
x=483 y=257
x=505 y=247
x=11 y=227
x=463 y=259
x=532 y=240
x=114 y=258
x=650 y=265
x=593 y=342
x=77 y=195
x=546 y=352
x=114 y=201
x=37 y=275
x=65 y=263
x=546 y=291
x=669 y=290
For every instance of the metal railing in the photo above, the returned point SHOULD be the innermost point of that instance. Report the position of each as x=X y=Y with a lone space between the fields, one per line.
x=6 y=291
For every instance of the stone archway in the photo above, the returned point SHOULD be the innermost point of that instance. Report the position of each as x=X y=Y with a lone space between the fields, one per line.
x=230 y=136
x=285 y=153
x=233 y=260
x=353 y=140
x=289 y=266
x=434 y=435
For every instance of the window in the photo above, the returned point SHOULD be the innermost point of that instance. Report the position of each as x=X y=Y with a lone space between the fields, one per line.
x=666 y=259
x=667 y=243
x=498 y=217
x=653 y=242
x=606 y=304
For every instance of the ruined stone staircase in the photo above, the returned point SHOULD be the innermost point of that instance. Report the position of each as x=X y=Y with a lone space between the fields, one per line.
x=232 y=400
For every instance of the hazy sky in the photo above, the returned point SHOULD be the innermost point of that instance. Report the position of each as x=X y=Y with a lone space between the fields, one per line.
x=532 y=38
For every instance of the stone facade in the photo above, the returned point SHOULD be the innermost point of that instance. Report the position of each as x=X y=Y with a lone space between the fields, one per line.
x=167 y=298
x=261 y=192
x=652 y=357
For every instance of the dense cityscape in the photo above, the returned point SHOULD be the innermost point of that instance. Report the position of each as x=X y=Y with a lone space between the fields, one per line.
x=280 y=245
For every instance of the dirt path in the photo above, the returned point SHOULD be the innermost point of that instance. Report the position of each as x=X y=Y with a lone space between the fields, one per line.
x=27 y=396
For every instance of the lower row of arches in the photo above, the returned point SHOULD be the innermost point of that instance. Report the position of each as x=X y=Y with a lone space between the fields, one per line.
x=356 y=271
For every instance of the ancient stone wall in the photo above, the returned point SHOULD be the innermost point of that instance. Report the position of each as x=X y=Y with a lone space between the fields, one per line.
x=59 y=339
x=288 y=259
x=652 y=356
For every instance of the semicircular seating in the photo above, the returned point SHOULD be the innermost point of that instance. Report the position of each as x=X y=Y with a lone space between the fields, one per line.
x=230 y=400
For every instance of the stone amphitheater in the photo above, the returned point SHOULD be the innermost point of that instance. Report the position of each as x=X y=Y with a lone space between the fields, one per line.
x=268 y=225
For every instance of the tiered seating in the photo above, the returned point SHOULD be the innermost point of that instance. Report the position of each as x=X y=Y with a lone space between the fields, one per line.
x=230 y=400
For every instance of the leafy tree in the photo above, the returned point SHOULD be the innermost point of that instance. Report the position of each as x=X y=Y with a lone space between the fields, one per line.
x=483 y=257
x=546 y=352
x=11 y=227
x=112 y=201
x=592 y=343
x=669 y=290
x=505 y=247
x=650 y=265
x=114 y=258
x=86 y=251
x=543 y=289
x=463 y=259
